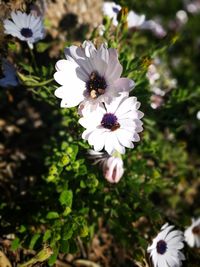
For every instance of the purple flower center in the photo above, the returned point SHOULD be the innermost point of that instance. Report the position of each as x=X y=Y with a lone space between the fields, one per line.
x=109 y=121
x=96 y=85
x=26 y=32
x=161 y=247
x=115 y=9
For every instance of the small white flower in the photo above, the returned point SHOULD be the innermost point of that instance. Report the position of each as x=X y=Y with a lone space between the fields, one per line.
x=198 y=115
x=192 y=6
x=152 y=74
x=155 y=27
x=134 y=20
x=165 y=249
x=192 y=234
x=182 y=17
x=114 y=126
x=113 y=167
x=111 y=10
x=101 y=29
x=26 y=27
x=9 y=74
x=90 y=76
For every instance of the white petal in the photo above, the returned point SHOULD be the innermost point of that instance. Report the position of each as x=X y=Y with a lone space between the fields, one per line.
x=125 y=106
x=174 y=234
x=97 y=139
x=114 y=68
x=70 y=98
x=77 y=54
x=18 y=19
x=123 y=138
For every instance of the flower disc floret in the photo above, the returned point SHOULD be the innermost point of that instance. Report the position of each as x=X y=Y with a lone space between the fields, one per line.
x=96 y=85
x=26 y=32
x=161 y=247
x=109 y=121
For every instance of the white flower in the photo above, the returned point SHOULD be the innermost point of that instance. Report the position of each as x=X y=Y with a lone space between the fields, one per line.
x=165 y=249
x=192 y=234
x=101 y=29
x=152 y=74
x=9 y=74
x=90 y=76
x=182 y=17
x=111 y=10
x=198 y=115
x=114 y=126
x=192 y=6
x=113 y=167
x=26 y=27
x=134 y=20
x=155 y=27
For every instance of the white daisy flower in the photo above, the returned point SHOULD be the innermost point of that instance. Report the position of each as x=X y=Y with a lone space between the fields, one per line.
x=111 y=10
x=155 y=27
x=114 y=126
x=113 y=167
x=9 y=74
x=90 y=76
x=192 y=234
x=26 y=27
x=134 y=20
x=165 y=249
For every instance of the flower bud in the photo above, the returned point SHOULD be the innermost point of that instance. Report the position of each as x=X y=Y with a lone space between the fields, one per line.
x=113 y=169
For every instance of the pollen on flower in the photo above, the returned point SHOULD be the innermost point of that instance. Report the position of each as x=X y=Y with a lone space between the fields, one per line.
x=26 y=32
x=96 y=85
x=161 y=247
x=109 y=121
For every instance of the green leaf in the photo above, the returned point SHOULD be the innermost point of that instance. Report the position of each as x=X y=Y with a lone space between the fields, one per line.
x=41 y=47
x=47 y=235
x=67 y=232
x=34 y=240
x=66 y=198
x=53 y=257
x=67 y=211
x=22 y=229
x=64 y=248
x=15 y=244
x=52 y=215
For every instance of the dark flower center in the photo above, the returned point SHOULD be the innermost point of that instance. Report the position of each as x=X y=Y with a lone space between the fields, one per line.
x=196 y=230
x=161 y=247
x=26 y=32
x=115 y=9
x=109 y=121
x=96 y=85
